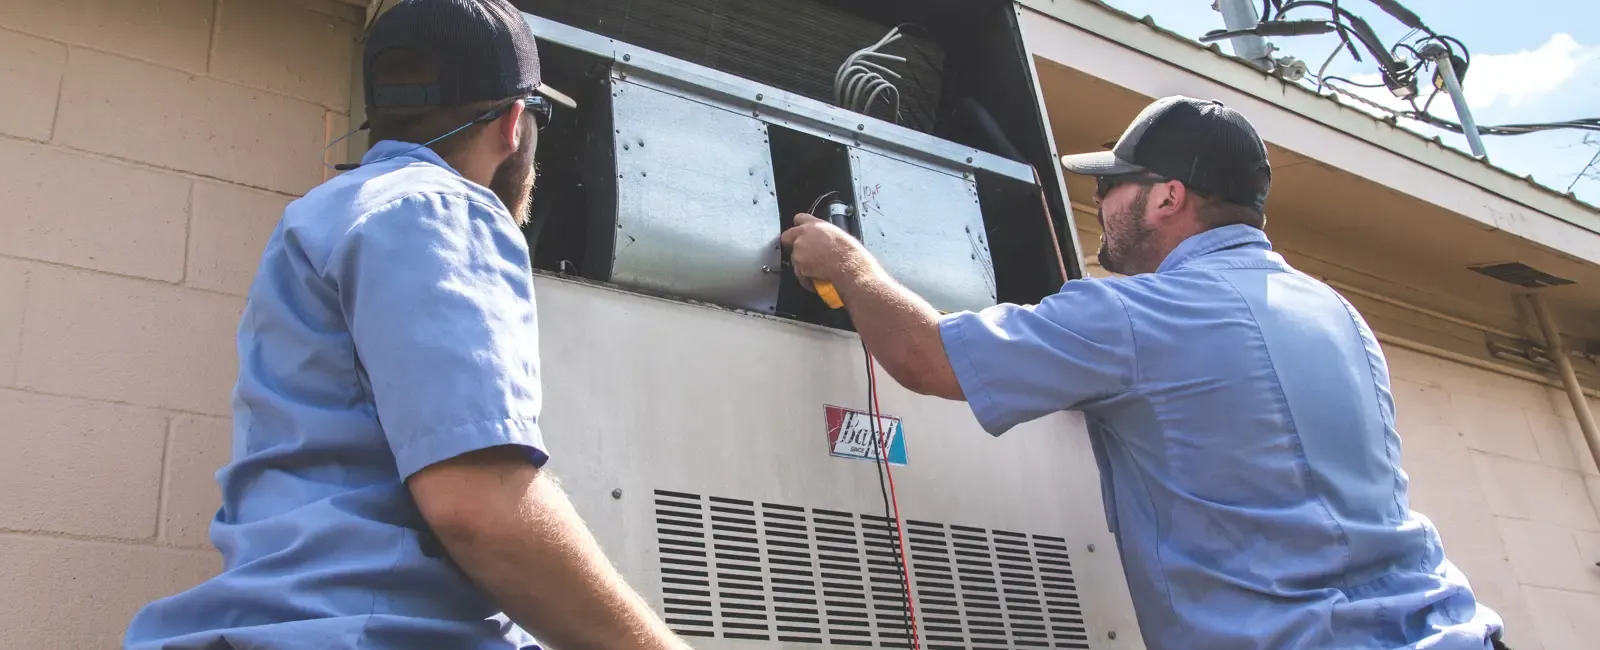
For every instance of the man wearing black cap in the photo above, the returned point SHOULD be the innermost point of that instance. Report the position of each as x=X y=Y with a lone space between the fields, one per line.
x=386 y=489
x=1239 y=410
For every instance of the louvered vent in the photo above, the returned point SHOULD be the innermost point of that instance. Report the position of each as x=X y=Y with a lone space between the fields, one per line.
x=1521 y=275
x=771 y=572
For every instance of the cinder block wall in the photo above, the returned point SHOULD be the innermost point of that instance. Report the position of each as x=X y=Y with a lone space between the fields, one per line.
x=147 y=148
x=1500 y=466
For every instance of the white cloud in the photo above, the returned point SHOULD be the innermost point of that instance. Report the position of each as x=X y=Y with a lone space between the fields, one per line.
x=1504 y=83
x=1522 y=77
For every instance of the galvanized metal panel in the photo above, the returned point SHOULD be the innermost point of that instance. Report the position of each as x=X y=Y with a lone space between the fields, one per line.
x=926 y=228
x=645 y=394
x=779 y=106
x=697 y=214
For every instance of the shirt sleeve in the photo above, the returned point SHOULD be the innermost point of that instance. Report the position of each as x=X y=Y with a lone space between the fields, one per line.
x=438 y=293
x=1018 y=363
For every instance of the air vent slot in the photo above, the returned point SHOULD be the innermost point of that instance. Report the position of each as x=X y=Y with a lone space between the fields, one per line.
x=736 y=569
x=1521 y=275
x=685 y=572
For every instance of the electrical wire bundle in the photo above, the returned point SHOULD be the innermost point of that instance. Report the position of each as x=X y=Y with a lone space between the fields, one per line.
x=1400 y=73
x=861 y=81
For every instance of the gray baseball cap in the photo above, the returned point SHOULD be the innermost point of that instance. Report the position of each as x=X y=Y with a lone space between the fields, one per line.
x=1205 y=145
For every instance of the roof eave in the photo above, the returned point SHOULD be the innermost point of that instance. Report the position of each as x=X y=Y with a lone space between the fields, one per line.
x=1144 y=35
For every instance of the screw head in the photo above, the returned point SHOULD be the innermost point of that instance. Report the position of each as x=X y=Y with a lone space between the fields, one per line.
x=760 y=97
x=861 y=127
x=1091 y=548
x=1111 y=635
x=617 y=494
x=969 y=159
x=627 y=57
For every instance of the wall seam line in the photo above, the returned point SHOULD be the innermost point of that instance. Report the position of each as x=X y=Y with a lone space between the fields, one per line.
x=147 y=166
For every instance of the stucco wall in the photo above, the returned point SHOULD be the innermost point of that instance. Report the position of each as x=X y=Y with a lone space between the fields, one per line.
x=146 y=151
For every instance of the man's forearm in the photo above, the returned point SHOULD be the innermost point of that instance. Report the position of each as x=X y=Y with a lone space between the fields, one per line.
x=544 y=568
x=900 y=329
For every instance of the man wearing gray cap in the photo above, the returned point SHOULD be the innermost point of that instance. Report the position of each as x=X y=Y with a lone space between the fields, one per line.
x=1239 y=410
x=387 y=489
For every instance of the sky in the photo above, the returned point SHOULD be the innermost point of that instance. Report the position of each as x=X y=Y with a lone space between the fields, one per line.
x=1532 y=61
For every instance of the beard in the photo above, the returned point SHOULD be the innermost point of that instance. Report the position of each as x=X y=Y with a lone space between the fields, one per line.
x=1125 y=236
x=514 y=179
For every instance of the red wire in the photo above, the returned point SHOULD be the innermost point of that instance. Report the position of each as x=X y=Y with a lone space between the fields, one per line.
x=883 y=459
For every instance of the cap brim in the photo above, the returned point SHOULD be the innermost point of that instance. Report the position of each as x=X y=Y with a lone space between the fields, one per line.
x=1099 y=163
x=555 y=96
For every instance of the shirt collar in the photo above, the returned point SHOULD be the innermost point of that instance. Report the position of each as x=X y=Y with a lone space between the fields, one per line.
x=1215 y=240
x=387 y=150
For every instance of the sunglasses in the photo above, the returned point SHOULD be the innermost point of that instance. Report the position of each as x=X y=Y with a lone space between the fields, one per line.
x=539 y=107
x=1104 y=184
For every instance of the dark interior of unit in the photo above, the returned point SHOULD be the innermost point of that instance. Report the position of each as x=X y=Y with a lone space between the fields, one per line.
x=966 y=79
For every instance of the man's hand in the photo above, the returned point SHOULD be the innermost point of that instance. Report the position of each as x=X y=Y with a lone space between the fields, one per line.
x=820 y=252
x=899 y=328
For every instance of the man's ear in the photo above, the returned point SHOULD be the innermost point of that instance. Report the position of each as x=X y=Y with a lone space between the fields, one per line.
x=507 y=127
x=1170 y=196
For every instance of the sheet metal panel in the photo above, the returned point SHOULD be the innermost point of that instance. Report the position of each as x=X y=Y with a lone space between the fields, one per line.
x=926 y=227
x=645 y=394
x=697 y=214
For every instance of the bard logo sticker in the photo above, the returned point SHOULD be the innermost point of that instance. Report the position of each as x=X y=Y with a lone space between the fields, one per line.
x=850 y=435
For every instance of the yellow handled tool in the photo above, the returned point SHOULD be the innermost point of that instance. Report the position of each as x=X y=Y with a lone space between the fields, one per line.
x=829 y=294
x=838 y=215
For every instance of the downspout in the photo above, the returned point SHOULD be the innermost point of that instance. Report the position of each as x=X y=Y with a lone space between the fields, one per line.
x=1569 y=379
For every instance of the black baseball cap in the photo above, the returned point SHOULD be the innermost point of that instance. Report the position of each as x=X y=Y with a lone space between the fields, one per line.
x=483 y=49
x=1209 y=147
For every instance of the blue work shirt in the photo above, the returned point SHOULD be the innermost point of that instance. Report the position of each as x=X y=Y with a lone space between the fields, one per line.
x=1241 y=416
x=391 y=326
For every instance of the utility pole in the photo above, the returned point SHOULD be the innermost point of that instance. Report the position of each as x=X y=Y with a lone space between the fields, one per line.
x=1452 y=84
x=1239 y=15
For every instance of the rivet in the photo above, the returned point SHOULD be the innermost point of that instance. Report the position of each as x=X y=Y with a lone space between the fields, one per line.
x=1091 y=548
x=625 y=146
x=617 y=494
x=1111 y=635
x=861 y=127
x=760 y=97
x=969 y=159
x=755 y=113
x=623 y=76
x=627 y=57
x=644 y=173
x=755 y=200
x=641 y=143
